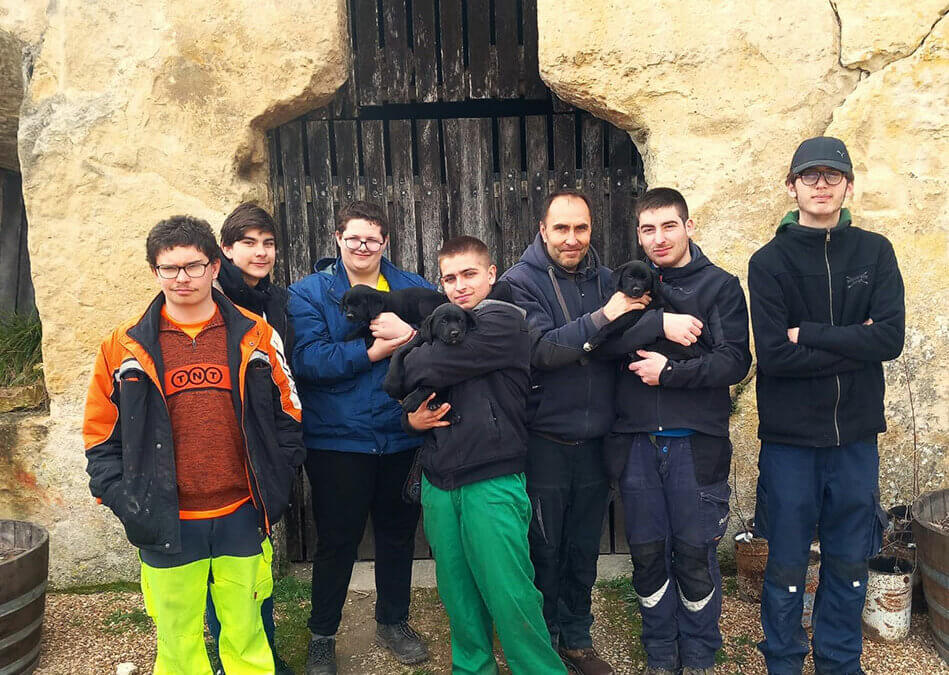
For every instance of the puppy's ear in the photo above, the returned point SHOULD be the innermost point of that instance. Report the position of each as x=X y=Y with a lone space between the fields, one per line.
x=425 y=330
x=618 y=276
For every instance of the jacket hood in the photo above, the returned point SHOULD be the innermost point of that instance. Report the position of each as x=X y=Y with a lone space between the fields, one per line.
x=791 y=222
x=697 y=262
x=536 y=256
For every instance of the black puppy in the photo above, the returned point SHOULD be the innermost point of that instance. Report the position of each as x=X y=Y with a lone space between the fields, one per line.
x=448 y=323
x=362 y=304
x=635 y=279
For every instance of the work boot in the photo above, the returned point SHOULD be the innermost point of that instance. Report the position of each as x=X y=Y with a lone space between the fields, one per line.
x=402 y=641
x=688 y=670
x=321 y=656
x=585 y=661
x=652 y=670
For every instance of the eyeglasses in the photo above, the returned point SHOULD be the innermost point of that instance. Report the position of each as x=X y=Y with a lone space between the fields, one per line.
x=194 y=270
x=355 y=243
x=811 y=176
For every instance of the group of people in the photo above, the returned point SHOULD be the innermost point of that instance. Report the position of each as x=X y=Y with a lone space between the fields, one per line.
x=202 y=408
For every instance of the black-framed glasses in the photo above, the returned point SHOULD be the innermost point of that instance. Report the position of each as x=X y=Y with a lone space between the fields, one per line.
x=811 y=176
x=355 y=243
x=195 y=270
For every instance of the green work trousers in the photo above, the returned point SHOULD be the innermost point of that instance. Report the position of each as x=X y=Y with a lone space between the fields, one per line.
x=478 y=534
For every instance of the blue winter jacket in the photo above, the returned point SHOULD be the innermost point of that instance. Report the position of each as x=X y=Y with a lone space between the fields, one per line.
x=344 y=406
x=571 y=395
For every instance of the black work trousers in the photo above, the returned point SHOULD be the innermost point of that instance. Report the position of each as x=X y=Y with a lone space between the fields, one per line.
x=347 y=488
x=568 y=489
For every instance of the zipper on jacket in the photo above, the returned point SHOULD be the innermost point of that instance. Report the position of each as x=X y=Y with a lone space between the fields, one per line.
x=830 y=297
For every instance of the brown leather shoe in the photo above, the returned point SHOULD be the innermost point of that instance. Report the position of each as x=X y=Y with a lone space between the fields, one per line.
x=585 y=661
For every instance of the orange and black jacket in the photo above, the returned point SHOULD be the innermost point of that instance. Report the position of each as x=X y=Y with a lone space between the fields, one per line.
x=127 y=427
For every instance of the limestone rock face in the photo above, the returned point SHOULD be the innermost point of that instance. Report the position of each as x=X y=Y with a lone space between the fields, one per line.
x=136 y=112
x=896 y=125
x=876 y=32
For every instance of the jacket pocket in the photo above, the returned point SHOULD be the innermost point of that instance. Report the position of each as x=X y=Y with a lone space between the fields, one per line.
x=132 y=505
x=341 y=386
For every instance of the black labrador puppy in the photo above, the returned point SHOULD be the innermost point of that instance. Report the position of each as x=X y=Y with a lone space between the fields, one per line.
x=362 y=304
x=635 y=279
x=448 y=323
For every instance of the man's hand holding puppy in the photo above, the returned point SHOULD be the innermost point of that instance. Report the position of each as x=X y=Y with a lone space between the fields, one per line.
x=620 y=303
x=424 y=419
x=390 y=333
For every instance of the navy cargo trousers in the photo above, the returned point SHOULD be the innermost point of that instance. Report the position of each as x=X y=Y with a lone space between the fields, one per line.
x=835 y=492
x=676 y=512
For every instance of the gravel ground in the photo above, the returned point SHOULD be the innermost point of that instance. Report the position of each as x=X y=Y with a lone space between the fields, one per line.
x=94 y=633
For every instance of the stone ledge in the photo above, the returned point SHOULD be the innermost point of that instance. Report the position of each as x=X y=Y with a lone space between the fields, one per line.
x=27 y=397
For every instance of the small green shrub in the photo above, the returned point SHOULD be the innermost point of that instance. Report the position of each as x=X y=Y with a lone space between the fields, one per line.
x=20 y=349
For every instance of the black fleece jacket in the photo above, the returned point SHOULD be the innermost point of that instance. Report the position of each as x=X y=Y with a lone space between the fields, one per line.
x=826 y=390
x=265 y=299
x=571 y=394
x=485 y=378
x=692 y=394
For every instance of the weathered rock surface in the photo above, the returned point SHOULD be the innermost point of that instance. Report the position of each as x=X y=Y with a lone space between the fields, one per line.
x=136 y=112
x=896 y=125
x=874 y=33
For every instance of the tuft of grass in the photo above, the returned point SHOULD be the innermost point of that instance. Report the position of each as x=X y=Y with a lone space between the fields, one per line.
x=292 y=609
x=111 y=587
x=20 y=349
x=120 y=621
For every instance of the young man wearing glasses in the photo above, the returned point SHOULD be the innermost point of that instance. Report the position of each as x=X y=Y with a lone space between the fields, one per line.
x=192 y=435
x=826 y=310
x=358 y=455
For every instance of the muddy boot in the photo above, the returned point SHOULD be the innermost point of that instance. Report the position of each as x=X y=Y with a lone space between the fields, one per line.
x=321 y=656
x=652 y=670
x=585 y=661
x=402 y=641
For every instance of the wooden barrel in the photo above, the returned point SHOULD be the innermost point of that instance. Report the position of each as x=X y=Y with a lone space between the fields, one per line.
x=931 y=531
x=24 y=566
